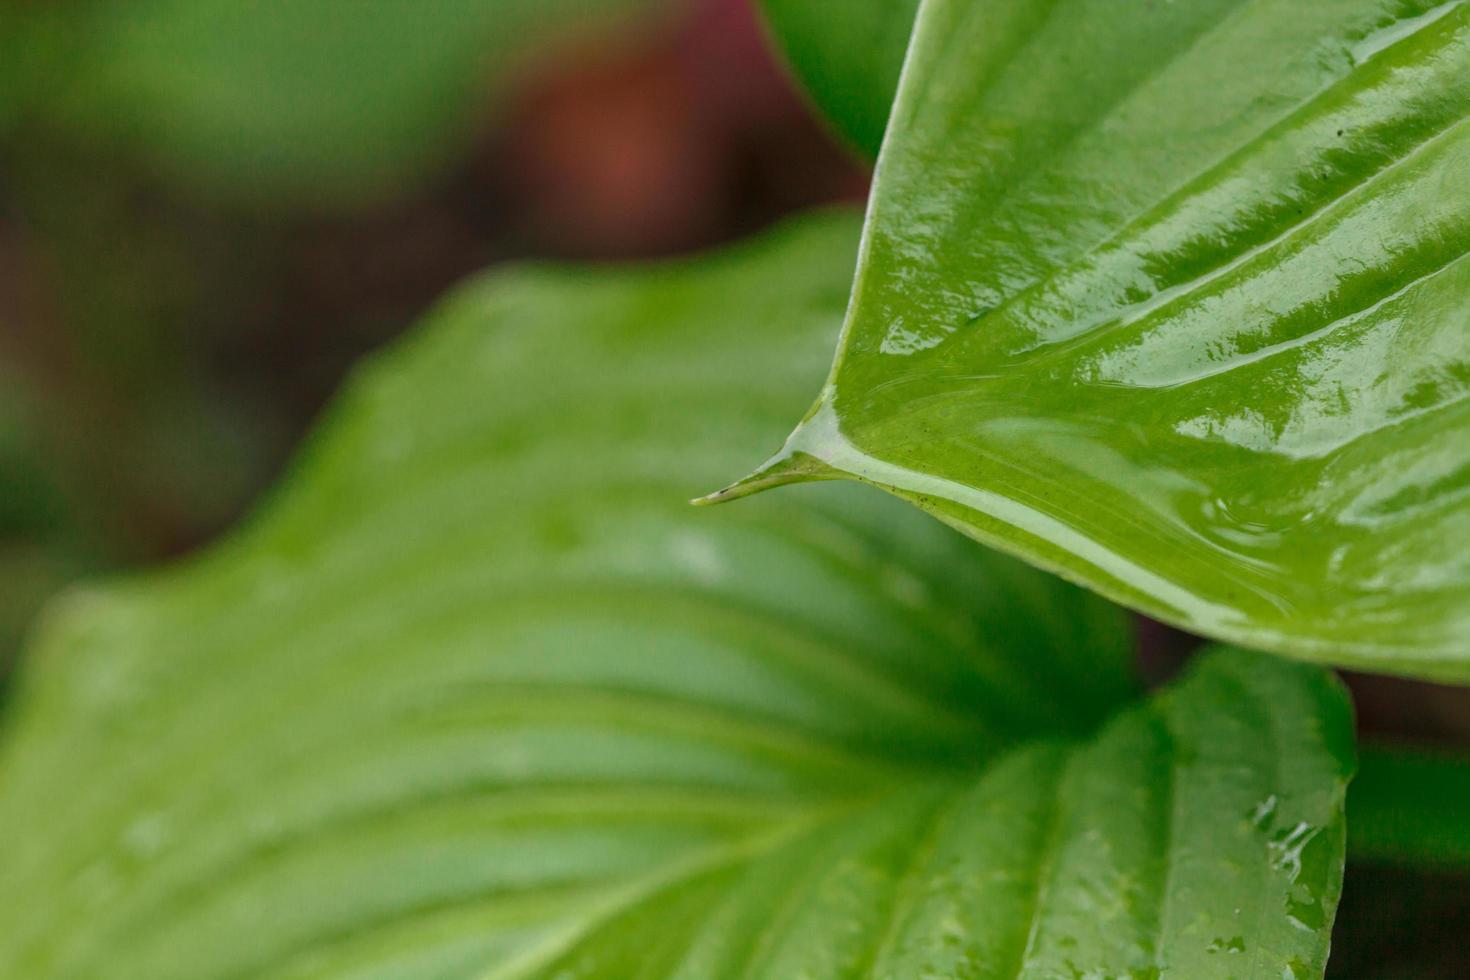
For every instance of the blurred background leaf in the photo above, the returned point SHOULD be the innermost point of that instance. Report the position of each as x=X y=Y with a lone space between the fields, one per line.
x=38 y=550
x=208 y=211
x=315 y=102
x=849 y=64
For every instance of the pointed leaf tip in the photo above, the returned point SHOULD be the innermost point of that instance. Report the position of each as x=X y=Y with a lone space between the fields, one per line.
x=783 y=469
x=1158 y=339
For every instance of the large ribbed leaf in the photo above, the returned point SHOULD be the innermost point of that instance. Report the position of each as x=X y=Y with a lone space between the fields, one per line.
x=1175 y=298
x=848 y=63
x=318 y=100
x=480 y=697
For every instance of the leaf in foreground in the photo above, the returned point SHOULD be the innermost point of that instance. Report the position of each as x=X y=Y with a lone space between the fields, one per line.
x=480 y=696
x=1175 y=299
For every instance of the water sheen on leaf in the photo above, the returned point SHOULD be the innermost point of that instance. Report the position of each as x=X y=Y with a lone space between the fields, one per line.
x=479 y=696
x=1175 y=299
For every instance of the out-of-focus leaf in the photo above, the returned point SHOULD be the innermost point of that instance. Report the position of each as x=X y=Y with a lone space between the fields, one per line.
x=10 y=71
x=316 y=101
x=849 y=61
x=27 y=494
x=36 y=559
x=1175 y=299
x=30 y=573
x=479 y=696
x=1412 y=806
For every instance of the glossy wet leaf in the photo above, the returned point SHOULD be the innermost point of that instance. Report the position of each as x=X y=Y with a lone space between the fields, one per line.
x=479 y=696
x=1175 y=299
x=848 y=63
x=312 y=100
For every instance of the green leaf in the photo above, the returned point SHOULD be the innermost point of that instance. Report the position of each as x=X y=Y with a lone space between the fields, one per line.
x=311 y=100
x=1412 y=806
x=480 y=697
x=26 y=491
x=848 y=63
x=37 y=556
x=1174 y=299
x=31 y=572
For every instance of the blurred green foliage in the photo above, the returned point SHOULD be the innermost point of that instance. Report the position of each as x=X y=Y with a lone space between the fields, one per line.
x=156 y=159
x=849 y=65
x=25 y=503
x=37 y=552
x=295 y=102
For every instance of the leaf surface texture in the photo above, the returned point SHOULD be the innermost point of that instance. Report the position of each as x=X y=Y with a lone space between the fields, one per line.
x=1174 y=299
x=479 y=696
